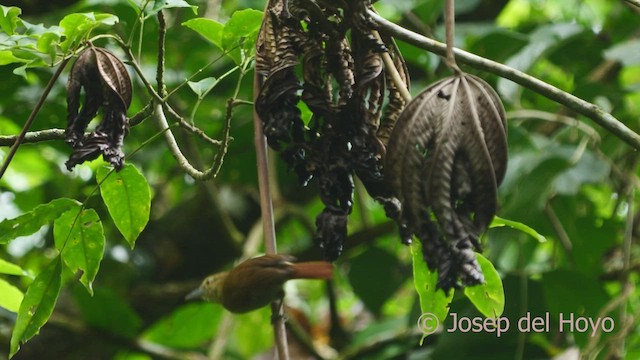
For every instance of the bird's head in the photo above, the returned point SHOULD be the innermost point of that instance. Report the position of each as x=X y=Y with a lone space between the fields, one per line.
x=210 y=289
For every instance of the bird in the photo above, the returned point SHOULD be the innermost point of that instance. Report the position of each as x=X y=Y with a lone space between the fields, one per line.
x=257 y=282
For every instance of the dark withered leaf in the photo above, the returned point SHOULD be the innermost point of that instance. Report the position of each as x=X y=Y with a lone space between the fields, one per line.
x=331 y=232
x=114 y=75
x=106 y=85
x=445 y=158
x=324 y=53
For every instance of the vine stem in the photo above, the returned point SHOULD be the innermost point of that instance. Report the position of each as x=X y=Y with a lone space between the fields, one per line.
x=266 y=207
x=390 y=67
x=450 y=25
x=266 y=204
x=592 y=111
x=32 y=116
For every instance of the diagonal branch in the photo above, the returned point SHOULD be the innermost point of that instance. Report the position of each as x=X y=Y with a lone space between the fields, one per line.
x=601 y=117
x=635 y=3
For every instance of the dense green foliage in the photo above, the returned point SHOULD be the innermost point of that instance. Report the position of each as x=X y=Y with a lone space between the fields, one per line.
x=98 y=262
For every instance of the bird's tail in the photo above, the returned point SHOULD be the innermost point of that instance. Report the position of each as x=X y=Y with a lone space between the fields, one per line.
x=312 y=270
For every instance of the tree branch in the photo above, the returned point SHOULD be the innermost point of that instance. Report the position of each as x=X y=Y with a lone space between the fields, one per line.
x=33 y=137
x=602 y=118
x=266 y=209
x=635 y=3
x=183 y=162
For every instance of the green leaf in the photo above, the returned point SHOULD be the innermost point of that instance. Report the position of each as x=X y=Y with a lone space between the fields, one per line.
x=542 y=40
x=7 y=57
x=75 y=27
x=29 y=223
x=108 y=311
x=128 y=198
x=37 y=305
x=591 y=168
x=80 y=240
x=167 y=4
x=241 y=29
x=375 y=263
x=570 y=293
x=209 y=29
x=189 y=326
x=47 y=44
x=500 y=222
x=432 y=300
x=202 y=87
x=10 y=296
x=9 y=18
x=10 y=268
x=488 y=298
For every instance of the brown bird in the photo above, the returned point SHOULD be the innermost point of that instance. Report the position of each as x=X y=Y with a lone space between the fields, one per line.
x=257 y=282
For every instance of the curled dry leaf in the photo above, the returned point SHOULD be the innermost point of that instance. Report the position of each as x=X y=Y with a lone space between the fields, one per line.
x=343 y=83
x=445 y=159
x=106 y=85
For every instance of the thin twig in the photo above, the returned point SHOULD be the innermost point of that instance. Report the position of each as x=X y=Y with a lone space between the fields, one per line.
x=162 y=32
x=266 y=207
x=222 y=151
x=635 y=3
x=32 y=116
x=526 y=114
x=565 y=240
x=183 y=162
x=450 y=25
x=32 y=137
x=390 y=67
x=583 y=107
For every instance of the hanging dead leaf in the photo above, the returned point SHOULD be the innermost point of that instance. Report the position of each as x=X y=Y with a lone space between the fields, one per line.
x=106 y=85
x=445 y=158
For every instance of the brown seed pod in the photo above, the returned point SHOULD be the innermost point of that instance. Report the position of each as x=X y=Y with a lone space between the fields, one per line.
x=107 y=85
x=446 y=157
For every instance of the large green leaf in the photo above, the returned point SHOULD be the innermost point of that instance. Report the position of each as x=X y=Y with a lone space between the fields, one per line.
x=75 y=27
x=10 y=296
x=7 y=57
x=542 y=40
x=375 y=263
x=9 y=18
x=434 y=302
x=488 y=298
x=571 y=294
x=128 y=198
x=37 y=305
x=209 y=29
x=189 y=326
x=80 y=240
x=239 y=32
x=241 y=29
x=10 y=269
x=29 y=223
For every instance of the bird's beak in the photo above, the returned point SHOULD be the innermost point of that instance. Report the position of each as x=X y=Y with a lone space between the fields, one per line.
x=195 y=294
